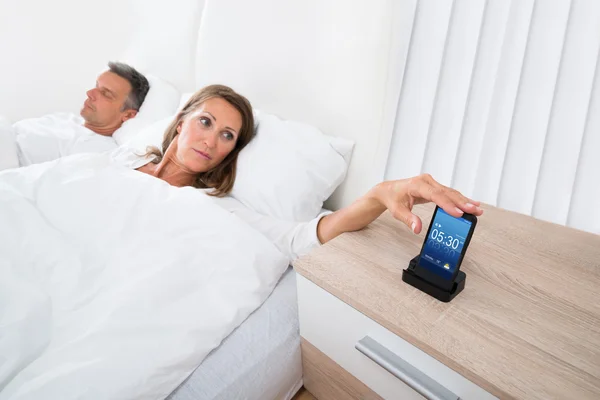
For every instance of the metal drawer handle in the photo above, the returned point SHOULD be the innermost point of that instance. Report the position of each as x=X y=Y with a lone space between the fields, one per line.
x=404 y=371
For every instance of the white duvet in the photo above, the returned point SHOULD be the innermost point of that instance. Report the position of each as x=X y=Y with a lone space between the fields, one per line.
x=116 y=285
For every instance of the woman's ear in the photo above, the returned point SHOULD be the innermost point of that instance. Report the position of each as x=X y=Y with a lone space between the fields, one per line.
x=179 y=127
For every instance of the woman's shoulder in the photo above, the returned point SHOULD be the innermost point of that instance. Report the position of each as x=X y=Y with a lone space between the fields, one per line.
x=129 y=157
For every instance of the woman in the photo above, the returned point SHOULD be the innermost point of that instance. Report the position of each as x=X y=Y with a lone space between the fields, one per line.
x=201 y=147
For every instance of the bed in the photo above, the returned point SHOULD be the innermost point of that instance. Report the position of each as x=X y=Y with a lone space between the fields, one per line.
x=259 y=360
x=111 y=275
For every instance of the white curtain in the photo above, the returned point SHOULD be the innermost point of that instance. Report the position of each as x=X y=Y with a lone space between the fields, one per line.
x=501 y=100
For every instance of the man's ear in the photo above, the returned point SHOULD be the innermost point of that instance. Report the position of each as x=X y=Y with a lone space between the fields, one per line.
x=128 y=115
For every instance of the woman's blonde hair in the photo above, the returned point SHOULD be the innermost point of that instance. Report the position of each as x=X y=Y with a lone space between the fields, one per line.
x=222 y=177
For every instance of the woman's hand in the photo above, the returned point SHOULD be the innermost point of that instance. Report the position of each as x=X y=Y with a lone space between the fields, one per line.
x=399 y=197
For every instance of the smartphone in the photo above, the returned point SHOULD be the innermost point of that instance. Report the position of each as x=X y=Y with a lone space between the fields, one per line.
x=444 y=247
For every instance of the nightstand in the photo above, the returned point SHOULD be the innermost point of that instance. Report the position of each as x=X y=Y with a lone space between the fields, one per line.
x=526 y=325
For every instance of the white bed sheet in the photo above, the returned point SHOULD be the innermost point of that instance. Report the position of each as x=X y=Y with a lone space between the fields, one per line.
x=8 y=145
x=260 y=360
x=126 y=301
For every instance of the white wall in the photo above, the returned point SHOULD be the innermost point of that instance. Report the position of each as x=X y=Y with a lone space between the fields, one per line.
x=501 y=99
x=52 y=51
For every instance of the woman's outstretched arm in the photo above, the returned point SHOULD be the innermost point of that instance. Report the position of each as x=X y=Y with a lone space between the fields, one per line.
x=399 y=197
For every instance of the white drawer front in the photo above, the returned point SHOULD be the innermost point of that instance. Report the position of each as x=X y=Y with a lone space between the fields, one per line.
x=335 y=328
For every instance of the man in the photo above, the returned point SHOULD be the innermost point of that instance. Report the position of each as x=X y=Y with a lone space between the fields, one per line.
x=117 y=97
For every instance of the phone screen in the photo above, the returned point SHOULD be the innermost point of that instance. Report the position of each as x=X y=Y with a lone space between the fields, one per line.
x=441 y=253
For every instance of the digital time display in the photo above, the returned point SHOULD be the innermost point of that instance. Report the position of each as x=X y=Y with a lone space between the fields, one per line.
x=444 y=244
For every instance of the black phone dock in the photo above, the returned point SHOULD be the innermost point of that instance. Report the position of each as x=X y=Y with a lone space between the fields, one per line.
x=409 y=276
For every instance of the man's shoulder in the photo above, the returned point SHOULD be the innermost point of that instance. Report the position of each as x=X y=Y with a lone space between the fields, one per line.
x=52 y=119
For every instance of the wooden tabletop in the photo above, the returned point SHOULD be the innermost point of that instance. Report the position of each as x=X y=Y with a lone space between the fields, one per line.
x=527 y=324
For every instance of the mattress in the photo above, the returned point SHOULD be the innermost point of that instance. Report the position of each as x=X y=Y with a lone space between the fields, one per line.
x=259 y=360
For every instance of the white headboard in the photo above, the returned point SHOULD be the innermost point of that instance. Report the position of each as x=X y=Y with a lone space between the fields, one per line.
x=335 y=64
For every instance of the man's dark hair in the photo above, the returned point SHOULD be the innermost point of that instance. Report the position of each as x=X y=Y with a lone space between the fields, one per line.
x=139 y=85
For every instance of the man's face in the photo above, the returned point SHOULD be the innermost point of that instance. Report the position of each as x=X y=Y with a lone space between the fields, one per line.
x=104 y=104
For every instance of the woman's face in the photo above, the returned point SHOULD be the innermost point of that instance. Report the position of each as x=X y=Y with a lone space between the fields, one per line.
x=208 y=135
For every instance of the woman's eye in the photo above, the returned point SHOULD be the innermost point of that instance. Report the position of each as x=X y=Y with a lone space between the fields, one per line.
x=205 y=121
x=228 y=136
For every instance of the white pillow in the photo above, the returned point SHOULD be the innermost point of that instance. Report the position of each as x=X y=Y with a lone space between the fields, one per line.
x=290 y=169
x=184 y=99
x=287 y=171
x=161 y=101
x=8 y=146
x=151 y=135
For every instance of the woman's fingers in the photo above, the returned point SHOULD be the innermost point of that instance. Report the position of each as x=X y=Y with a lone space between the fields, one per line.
x=452 y=201
x=444 y=199
x=403 y=213
x=464 y=203
x=426 y=190
x=402 y=195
